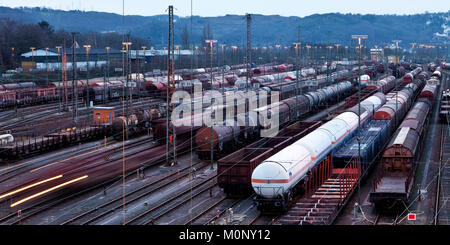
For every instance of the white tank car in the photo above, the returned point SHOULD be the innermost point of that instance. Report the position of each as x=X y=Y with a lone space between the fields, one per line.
x=275 y=176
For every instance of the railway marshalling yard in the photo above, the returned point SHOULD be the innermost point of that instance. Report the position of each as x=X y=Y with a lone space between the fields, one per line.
x=61 y=172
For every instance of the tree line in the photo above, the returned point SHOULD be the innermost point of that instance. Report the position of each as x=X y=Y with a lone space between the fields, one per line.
x=17 y=38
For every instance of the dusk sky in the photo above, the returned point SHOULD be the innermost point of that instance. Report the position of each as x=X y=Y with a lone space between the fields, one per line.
x=217 y=8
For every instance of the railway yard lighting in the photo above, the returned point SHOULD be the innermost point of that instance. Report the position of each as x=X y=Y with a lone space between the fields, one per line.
x=296 y=75
x=359 y=38
x=211 y=43
x=127 y=45
x=87 y=47
x=143 y=63
x=107 y=74
x=59 y=82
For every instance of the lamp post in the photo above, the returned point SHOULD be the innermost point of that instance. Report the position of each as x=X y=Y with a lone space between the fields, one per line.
x=234 y=53
x=211 y=43
x=346 y=52
x=87 y=47
x=204 y=57
x=359 y=37
x=32 y=56
x=107 y=74
x=127 y=45
x=296 y=78
x=278 y=51
x=286 y=54
x=397 y=61
x=196 y=57
x=46 y=65
x=143 y=63
x=59 y=82
x=412 y=50
x=12 y=56
x=337 y=51
x=271 y=54
x=177 y=47
x=328 y=64
x=223 y=66
x=265 y=55
x=308 y=47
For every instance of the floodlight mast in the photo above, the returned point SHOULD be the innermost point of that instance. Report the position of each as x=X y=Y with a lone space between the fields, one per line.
x=359 y=38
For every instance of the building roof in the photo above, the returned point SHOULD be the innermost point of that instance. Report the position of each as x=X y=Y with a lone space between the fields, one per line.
x=158 y=52
x=78 y=51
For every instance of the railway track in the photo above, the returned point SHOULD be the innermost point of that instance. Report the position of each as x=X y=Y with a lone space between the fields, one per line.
x=442 y=208
x=39 y=207
x=222 y=205
x=116 y=203
x=45 y=204
x=87 y=156
x=151 y=215
x=41 y=115
x=381 y=219
x=263 y=220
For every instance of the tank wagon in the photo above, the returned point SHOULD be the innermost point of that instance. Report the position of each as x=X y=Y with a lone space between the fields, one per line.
x=288 y=110
x=446 y=66
x=278 y=179
x=138 y=122
x=235 y=170
x=408 y=77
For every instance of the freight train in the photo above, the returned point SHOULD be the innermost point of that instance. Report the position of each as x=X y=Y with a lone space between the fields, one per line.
x=227 y=138
x=139 y=121
x=376 y=134
x=19 y=94
x=311 y=100
x=384 y=85
x=391 y=188
x=408 y=77
x=235 y=169
x=444 y=111
x=446 y=65
x=277 y=179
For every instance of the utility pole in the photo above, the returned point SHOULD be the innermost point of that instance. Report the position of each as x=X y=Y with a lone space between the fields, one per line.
x=64 y=78
x=143 y=62
x=223 y=68
x=127 y=45
x=59 y=83
x=248 y=49
x=46 y=65
x=359 y=37
x=87 y=47
x=107 y=74
x=297 y=46
x=74 y=86
x=211 y=43
x=248 y=73
x=397 y=61
x=170 y=86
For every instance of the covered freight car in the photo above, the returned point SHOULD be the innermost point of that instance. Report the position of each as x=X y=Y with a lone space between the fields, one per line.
x=392 y=185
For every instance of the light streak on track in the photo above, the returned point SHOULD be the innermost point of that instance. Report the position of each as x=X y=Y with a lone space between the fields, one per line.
x=48 y=190
x=69 y=158
x=29 y=186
